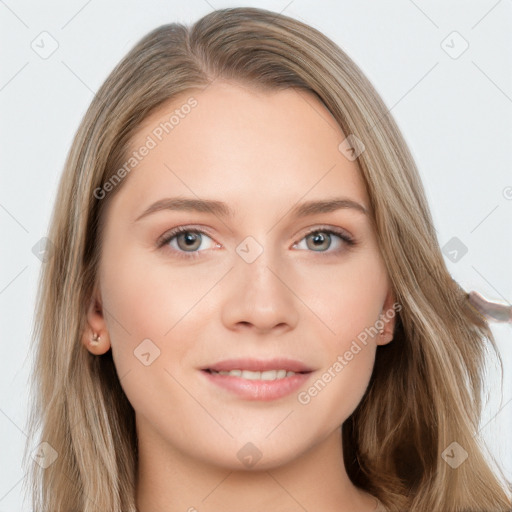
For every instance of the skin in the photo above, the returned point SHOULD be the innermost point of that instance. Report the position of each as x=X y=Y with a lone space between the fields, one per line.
x=261 y=153
x=493 y=311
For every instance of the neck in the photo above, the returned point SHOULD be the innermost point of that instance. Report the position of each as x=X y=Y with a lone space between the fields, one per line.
x=170 y=481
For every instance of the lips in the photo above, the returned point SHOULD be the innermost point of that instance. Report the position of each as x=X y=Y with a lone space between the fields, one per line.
x=258 y=379
x=259 y=365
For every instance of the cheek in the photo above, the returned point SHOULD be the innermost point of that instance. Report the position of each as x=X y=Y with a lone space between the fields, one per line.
x=345 y=298
x=337 y=389
x=145 y=299
x=151 y=324
x=348 y=305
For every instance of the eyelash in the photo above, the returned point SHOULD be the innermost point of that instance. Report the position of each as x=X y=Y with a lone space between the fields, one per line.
x=167 y=237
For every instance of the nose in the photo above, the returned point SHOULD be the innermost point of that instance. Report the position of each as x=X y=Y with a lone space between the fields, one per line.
x=260 y=297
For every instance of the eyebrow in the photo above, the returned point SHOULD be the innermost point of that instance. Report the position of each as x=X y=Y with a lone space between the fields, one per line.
x=221 y=209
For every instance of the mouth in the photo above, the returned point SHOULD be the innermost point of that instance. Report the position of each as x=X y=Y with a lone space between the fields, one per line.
x=254 y=379
x=267 y=375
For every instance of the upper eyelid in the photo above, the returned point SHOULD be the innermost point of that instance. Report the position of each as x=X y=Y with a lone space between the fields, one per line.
x=174 y=232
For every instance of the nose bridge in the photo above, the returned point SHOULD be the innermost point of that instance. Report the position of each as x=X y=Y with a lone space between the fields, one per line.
x=258 y=263
x=259 y=295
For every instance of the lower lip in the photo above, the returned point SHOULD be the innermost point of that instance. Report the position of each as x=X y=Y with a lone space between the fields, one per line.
x=263 y=390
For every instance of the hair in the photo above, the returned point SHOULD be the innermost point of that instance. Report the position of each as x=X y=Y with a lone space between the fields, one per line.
x=426 y=388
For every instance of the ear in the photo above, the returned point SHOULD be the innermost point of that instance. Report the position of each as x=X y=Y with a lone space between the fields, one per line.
x=95 y=336
x=390 y=309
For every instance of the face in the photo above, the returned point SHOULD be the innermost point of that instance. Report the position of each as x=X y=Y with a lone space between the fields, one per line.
x=253 y=282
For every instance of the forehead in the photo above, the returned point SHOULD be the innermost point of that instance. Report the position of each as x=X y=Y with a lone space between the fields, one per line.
x=233 y=141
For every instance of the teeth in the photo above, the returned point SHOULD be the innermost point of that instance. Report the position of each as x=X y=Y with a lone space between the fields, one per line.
x=249 y=375
x=246 y=374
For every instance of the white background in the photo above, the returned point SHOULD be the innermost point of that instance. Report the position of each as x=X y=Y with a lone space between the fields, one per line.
x=455 y=114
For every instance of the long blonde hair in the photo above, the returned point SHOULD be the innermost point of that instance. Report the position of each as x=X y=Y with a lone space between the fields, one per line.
x=425 y=390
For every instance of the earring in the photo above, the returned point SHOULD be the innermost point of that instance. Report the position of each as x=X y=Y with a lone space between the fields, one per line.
x=95 y=338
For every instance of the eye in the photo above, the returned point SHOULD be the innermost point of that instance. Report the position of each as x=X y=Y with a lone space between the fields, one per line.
x=186 y=242
x=183 y=240
x=320 y=240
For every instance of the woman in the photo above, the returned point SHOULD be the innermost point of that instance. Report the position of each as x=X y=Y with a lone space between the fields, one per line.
x=247 y=307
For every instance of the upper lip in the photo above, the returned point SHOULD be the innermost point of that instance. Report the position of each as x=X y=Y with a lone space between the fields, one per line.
x=256 y=365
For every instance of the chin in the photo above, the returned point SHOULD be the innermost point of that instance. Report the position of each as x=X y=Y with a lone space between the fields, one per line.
x=258 y=455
